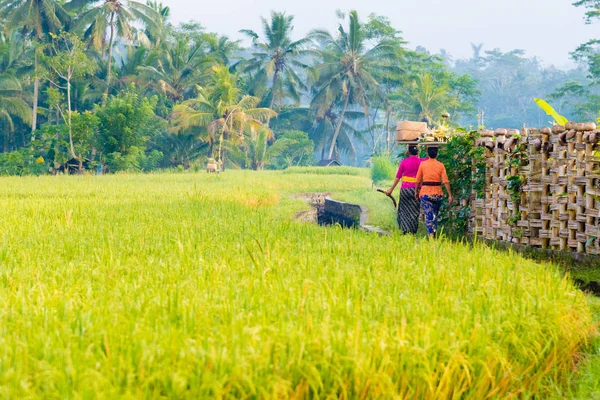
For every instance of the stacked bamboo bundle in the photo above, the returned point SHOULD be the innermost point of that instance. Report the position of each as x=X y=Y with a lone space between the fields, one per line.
x=542 y=188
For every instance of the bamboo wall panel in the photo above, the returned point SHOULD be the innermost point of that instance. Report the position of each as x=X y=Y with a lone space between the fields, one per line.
x=558 y=203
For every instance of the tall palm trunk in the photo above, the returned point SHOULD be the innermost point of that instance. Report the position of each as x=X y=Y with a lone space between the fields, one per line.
x=72 y=148
x=275 y=78
x=110 y=52
x=36 y=92
x=339 y=125
x=221 y=152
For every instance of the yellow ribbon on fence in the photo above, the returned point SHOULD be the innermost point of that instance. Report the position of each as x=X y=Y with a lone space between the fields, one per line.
x=407 y=179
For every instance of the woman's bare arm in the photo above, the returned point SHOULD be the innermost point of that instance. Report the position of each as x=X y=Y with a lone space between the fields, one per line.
x=391 y=190
x=450 y=198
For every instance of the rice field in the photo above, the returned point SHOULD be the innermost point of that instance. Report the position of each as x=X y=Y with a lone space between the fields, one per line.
x=204 y=286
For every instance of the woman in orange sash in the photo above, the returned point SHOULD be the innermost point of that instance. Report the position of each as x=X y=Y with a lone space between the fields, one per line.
x=430 y=177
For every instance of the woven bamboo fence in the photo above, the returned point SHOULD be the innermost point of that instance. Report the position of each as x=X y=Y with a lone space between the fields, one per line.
x=542 y=188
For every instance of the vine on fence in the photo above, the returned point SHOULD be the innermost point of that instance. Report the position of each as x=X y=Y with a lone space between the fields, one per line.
x=465 y=165
x=466 y=168
x=517 y=158
x=514 y=188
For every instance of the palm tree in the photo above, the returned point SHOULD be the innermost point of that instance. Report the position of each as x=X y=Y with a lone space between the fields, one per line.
x=320 y=128
x=220 y=109
x=257 y=149
x=221 y=49
x=427 y=98
x=174 y=70
x=35 y=18
x=347 y=70
x=116 y=16
x=180 y=149
x=12 y=57
x=476 y=50
x=275 y=59
x=11 y=105
x=135 y=57
x=161 y=28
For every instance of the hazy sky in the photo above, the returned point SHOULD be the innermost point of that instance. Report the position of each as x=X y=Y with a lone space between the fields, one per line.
x=549 y=29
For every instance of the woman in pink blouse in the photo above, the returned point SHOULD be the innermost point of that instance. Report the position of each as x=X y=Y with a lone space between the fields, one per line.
x=408 y=207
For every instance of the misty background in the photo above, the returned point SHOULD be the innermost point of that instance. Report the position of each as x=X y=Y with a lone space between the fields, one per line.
x=548 y=29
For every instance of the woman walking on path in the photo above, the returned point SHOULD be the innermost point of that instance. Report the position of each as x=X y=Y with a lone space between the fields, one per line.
x=408 y=207
x=430 y=177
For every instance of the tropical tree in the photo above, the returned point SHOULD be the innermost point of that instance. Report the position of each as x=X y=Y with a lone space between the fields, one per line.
x=14 y=66
x=347 y=70
x=258 y=148
x=589 y=52
x=380 y=28
x=221 y=110
x=299 y=152
x=12 y=56
x=181 y=149
x=66 y=61
x=116 y=17
x=134 y=58
x=34 y=18
x=174 y=69
x=321 y=127
x=11 y=105
x=125 y=124
x=276 y=58
x=159 y=31
x=427 y=99
x=221 y=49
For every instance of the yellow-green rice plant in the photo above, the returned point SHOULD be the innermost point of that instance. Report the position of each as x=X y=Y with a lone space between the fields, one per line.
x=203 y=286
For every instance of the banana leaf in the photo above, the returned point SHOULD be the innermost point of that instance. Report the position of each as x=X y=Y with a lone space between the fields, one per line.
x=551 y=112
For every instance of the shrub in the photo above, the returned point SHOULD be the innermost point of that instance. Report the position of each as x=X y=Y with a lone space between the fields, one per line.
x=124 y=123
x=382 y=169
x=465 y=167
x=299 y=153
x=135 y=161
x=22 y=162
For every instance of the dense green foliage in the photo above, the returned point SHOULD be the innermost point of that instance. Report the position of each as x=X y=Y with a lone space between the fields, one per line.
x=184 y=95
x=344 y=90
x=465 y=167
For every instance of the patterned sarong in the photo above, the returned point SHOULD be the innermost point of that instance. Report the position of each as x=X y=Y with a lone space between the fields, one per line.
x=408 y=211
x=431 y=208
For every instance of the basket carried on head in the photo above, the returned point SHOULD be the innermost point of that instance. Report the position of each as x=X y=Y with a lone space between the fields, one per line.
x=410 y=131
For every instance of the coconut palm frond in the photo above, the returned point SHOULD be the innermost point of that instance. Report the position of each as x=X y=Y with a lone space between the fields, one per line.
x=7 y=120
x=261 y=114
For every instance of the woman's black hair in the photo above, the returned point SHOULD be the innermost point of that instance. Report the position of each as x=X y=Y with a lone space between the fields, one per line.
x=432 y=152
x=413 y=150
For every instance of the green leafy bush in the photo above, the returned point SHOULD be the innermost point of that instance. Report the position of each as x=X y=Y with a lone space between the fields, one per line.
x=22 y=162
x=135 y=161
x=465 y=166
x=298 y=153
x=382 y=169
x=124 y=123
